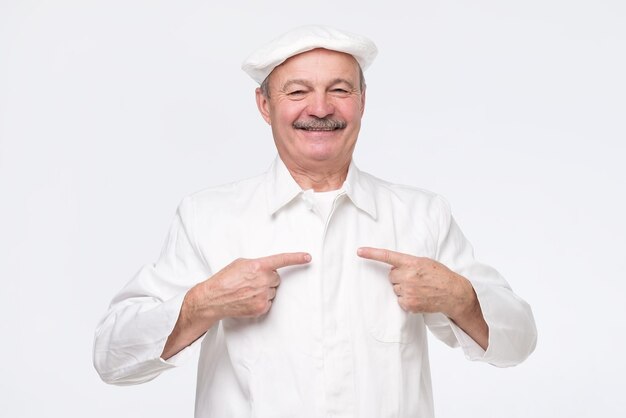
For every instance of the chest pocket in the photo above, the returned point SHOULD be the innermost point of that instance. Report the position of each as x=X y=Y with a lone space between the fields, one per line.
x=383 y=317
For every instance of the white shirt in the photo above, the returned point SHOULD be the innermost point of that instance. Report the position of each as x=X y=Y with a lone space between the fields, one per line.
x=335 y=342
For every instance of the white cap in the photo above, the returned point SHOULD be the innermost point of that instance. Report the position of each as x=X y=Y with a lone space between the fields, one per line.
x=305 y=38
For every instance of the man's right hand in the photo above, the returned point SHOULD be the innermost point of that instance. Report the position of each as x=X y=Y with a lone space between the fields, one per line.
x=244 y=288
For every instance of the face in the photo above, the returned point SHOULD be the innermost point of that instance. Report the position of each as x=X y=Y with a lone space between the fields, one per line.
x=314 y=107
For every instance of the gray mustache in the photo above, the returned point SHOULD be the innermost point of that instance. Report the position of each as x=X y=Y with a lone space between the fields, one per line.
x=321 y=124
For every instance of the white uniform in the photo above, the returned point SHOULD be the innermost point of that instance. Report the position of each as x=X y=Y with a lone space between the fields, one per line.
x=335 y=342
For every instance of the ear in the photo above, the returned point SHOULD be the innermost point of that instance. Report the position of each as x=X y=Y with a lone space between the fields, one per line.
x=363 y=101
x=263 y=104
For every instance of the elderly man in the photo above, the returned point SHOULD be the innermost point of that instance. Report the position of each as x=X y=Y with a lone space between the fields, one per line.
x=309 y=288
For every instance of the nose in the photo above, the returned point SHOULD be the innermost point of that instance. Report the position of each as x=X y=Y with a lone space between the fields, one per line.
x=320 y=105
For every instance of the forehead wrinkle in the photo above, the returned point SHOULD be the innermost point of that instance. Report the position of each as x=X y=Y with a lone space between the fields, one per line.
x=292 y=69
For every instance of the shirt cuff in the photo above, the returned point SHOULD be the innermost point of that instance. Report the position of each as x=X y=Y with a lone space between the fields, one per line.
x=471 y=349
x=183 y=355
x=136 y=355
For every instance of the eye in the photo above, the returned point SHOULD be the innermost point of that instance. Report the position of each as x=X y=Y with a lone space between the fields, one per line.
x=340 y=92
x=295 y=93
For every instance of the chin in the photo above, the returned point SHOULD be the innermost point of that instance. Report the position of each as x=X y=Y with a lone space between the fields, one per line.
x=321 y=154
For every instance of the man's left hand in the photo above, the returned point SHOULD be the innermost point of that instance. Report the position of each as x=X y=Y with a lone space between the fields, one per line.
x=424 y=285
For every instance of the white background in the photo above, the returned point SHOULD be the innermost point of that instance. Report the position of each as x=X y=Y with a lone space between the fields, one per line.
x=112 y=111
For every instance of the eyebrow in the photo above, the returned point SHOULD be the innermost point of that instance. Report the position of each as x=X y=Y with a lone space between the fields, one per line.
x=308 y=84
x=342 y=80
x=295 y=81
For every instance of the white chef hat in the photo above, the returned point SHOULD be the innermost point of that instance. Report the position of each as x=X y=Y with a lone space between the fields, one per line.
x=305 y=38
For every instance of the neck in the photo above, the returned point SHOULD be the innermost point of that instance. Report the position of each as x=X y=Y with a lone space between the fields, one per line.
x=320 y=180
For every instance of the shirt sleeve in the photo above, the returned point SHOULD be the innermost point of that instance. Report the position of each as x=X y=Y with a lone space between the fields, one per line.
x=512 y=330
x=130 y=338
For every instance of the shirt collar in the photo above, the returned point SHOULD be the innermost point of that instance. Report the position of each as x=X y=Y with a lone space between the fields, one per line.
x=282 y=188
x=360 y=190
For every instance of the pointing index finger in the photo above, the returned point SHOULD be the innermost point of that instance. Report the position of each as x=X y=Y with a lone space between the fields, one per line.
x=276 y=261
x=392 y=258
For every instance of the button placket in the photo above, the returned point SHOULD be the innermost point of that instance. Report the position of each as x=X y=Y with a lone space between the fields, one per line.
x=338 y=362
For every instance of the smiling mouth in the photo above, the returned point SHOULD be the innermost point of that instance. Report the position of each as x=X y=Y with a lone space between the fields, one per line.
x=318 y=129
x=323 y=125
